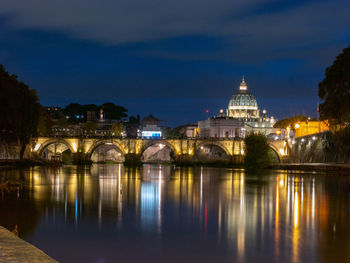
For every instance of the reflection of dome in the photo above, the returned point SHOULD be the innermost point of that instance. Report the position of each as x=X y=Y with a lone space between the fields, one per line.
x=243 y=104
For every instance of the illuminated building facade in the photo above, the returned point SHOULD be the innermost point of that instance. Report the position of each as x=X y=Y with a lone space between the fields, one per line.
x=150 y=128
x=151 y=132
x=310 y=127
x=242 y=117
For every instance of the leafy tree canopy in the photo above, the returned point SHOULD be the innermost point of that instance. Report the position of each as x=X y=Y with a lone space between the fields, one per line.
x=334 y=90
x=89 y=127
x=113 y=112
x=284 y=123
x=134 y=120
x=177 y=132
x=78 y=113
x=20 y=110
x=117 y=129
x=258 y=153
x=74 y=110
x=45 y=123
x=89 y=107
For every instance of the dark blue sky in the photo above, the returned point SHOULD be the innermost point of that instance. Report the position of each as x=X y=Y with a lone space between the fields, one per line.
x=174 y=59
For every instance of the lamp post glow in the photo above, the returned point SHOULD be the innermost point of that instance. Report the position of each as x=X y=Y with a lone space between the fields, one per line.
x=74 y=147
x=37 y=146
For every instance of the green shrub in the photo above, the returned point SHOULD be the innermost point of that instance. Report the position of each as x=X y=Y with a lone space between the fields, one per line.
x=258 y=152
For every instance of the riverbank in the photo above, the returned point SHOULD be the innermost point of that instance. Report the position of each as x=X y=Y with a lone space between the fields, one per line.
x=14 y=249
x=317 y=167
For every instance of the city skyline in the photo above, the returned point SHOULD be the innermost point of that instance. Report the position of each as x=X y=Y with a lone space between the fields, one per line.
x=141 y=61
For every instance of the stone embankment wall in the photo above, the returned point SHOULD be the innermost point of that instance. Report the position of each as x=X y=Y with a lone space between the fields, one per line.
x=318 y=148
x=8 y=152
x=11 y=152
x=14 y=249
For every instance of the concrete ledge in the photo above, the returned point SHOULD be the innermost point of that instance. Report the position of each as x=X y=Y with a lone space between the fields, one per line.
x=320 y=167
x=14 y=249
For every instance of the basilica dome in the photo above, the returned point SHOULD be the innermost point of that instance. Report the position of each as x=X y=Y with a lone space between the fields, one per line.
x=243 y=101
x=243 y=104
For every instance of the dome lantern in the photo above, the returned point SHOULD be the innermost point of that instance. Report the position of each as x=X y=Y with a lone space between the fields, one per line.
x=243 y=85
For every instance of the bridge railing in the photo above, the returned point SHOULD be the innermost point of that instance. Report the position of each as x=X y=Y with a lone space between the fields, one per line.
x=106 y=137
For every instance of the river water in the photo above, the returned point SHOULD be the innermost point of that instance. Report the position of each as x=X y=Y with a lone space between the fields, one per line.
x=111 y=213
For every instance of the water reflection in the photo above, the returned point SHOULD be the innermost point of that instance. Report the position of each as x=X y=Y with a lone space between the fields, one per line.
x=209 y=214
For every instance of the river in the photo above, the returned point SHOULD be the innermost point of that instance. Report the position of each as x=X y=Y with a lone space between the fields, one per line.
x=158 y=213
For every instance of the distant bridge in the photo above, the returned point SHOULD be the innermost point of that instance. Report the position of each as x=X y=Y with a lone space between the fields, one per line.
x=149 y=150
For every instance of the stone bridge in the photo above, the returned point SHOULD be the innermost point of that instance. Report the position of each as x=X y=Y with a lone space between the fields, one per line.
x=180 y=149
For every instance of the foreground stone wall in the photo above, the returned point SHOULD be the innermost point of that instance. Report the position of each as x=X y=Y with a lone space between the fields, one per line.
x=317 y=148
x=11 y=152
x=14 y=249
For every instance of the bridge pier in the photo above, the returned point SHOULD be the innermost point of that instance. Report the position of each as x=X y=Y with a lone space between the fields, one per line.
x=81 y=158
x=132 y=159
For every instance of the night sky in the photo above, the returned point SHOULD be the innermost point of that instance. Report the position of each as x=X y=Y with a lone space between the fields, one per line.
x=174 y=59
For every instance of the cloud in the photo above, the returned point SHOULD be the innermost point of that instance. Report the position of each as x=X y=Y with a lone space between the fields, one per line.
x=115 y=22
x=118 y=21
x=240 y=32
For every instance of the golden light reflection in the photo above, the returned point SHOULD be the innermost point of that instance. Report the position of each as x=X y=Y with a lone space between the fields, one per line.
x=243 y=208
x=296 y=234
x=277 y=236
x=296 y=209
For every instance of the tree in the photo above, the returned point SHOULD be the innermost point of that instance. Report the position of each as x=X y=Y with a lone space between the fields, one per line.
x=113 y=112
x=20 y=110
x=117 y=129
x=45 y=123
x=74 y=111
x=257 y=151
x=90 y=128
x=289 y=122
x=88 y=107
x=78 y=113
x=177 y=132
x=134 y=120
x=62 y=122
x=334 y=90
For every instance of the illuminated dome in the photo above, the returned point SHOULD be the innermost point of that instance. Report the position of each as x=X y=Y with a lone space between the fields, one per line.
x=243 y=101
x=243 y=104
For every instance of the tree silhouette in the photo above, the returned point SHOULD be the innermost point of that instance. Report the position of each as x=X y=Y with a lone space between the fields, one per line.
x=20 y=110
x=334 y=90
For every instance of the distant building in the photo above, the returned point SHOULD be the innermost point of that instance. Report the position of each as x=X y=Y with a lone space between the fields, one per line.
x=69 y=130
x=221 y=127
x=191 y=131
x=151 y=132
x=305 y=128
x=242 y=117
x=150 y=120
x=150 y=128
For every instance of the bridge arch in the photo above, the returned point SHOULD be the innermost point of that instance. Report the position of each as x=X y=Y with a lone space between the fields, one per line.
x=60 y=146
x=211 y=151
x=158 y=150
x=276 y=152
x=106 y=150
